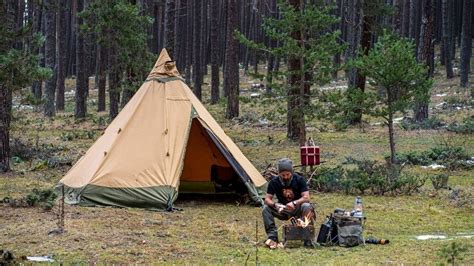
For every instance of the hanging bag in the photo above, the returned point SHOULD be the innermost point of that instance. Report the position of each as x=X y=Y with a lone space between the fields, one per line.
x=310 y=153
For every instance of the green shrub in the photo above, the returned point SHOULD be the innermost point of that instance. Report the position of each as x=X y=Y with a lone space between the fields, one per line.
x=366 y=176
x=440 y=181
x=466 y=127
x=430 y=123
x=328 y=179
x=450 y=156
x=452 y=252
x=44 y=198
x=72 y=135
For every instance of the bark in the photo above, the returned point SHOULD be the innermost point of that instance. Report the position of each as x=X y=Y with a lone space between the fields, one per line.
x=114 y=93
x=114 y=80
x=365 y=44
x=337 y=57
x=72 y=39
x=8 y=10
x=189 y=44
x=425 y=56
x=155 y=28
x=446 y=38
x=5 y=121
x=391 y=135
x=215 y=52
x=80 y=110
x=50 y=57
x=88 y=49
x=37 y=14
x=406 y=18
x=169 y=27
x=197 y=60
x=203 y=39
x=295 y=116
x=391 y=130
x=232 y=64
x=61 y=57
x=181 y=36
x=466 y=42
x=353 y=35
x=356 y=23
x=397 y=19
x=102 y=76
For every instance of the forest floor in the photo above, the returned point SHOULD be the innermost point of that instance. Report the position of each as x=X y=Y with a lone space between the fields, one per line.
x=221 y=230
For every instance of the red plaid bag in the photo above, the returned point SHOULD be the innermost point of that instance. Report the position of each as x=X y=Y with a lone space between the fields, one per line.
x=310 y=153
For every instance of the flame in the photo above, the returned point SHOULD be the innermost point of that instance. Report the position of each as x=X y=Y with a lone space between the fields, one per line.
x=301 y=222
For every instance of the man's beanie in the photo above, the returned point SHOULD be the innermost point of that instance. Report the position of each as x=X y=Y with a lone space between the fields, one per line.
x=285 y=164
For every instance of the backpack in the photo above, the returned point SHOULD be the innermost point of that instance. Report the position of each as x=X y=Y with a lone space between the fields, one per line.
x=349 y=230
x=341 y=229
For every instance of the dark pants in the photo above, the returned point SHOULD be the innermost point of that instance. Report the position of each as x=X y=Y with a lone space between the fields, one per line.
x=269 y=214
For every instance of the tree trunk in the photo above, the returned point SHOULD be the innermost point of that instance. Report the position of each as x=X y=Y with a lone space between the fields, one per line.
x=102 y=77
x=232 y=64
x=181 y=36
x=189 y=43
x=155 y=28
x=353 y=36
x=197 y=62
x=391 y=135
x=365 y=44
x=61 y=57
x=5 y=120
x=215 y=52
x=169 y=26
x=50 y=57
x=81 y=78
x=425 y=56
x=397 y=18
x=114 y=82
x=88 y=50
x=337 y=57
x=7 y=20
x=36 y=88
x=354 y=32
x=466 y=42
x=406 y=18
x=204 y=40
x=295 y=116
x=446 y=38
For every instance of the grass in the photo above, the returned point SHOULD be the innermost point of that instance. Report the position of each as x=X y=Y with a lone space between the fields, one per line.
x=223 y=231
x=208 y=232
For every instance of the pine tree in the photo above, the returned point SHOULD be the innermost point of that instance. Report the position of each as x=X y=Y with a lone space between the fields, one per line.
x=122 y=34
x=215 y=52
x=80 y=109
x=61 y=52
x=50 y=56
x=447 y=40
x=232 y=63
x=466 y=43
x=392 y=66
x=170 y=10
x=18 y=59
x=305 y=38
x=425 y=56
x=197 y=64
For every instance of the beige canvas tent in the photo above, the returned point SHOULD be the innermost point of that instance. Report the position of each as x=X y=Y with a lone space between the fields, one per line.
x=163 y=138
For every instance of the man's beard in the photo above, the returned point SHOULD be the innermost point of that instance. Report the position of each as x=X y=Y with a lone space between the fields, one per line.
x=286 y=183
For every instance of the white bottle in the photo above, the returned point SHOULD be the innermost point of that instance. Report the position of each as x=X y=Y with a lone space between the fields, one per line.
x=358 y=207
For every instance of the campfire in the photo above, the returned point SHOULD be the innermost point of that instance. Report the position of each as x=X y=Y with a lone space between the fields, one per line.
x=300 y=222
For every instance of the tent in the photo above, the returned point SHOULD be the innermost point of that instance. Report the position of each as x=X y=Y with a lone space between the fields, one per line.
x=163 y=139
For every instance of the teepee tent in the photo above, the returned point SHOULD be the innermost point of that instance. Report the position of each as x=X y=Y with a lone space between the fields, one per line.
x=163 y=139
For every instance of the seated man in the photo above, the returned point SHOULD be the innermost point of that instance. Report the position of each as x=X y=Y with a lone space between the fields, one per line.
x=293 y=200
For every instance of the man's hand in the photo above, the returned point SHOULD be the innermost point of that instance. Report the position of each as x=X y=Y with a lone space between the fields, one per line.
x=290 y=206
